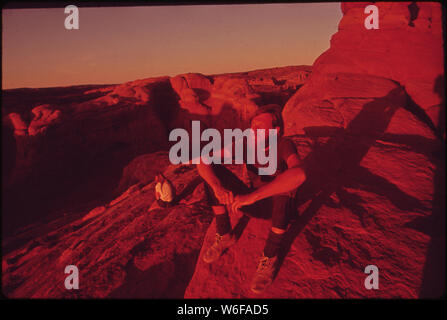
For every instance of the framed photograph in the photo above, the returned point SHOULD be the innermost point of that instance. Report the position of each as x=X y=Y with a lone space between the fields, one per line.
x=260 y=151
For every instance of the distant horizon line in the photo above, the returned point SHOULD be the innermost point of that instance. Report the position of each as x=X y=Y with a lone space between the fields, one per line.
x=112 y=84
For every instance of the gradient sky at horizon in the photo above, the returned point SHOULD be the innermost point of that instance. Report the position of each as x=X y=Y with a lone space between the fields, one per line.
x=119 y=44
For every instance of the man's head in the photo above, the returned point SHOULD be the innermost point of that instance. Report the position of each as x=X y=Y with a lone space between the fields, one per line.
x=268 y=117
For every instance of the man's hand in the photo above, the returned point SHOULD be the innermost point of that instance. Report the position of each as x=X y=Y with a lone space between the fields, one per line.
x=242 y=200
x=223 y=195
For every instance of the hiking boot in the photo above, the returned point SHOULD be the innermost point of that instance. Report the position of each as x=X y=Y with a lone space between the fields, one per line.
x=218 y=247
x=264 y=274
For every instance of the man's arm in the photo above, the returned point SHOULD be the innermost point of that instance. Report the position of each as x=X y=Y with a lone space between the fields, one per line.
x=287 y=181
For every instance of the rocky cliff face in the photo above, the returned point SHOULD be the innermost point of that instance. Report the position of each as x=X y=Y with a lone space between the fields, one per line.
x=367 y=124
x=374 y=107
x=407 y=49
x=79 y=148
x=230 y=100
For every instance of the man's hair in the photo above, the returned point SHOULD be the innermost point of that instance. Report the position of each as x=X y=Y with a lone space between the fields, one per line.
x=275 y=111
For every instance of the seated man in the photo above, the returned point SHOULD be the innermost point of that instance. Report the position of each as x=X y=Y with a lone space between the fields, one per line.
x=280 y=186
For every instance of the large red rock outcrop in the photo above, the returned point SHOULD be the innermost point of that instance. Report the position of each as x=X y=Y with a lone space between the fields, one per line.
x=229 y=100
x=225 y=103
x=407 y=48
x=44 y=116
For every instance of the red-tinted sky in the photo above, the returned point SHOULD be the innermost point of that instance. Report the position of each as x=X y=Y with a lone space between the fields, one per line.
x=115 y=45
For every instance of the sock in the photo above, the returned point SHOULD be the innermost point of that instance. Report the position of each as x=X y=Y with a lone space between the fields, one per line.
x=223 y=224
x=272 y=244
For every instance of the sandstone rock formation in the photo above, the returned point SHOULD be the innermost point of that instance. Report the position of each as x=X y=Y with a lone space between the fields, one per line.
x=407 y=48
x=376 y=122
x=44 y=116
x=79 y=147
x=229 y=100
